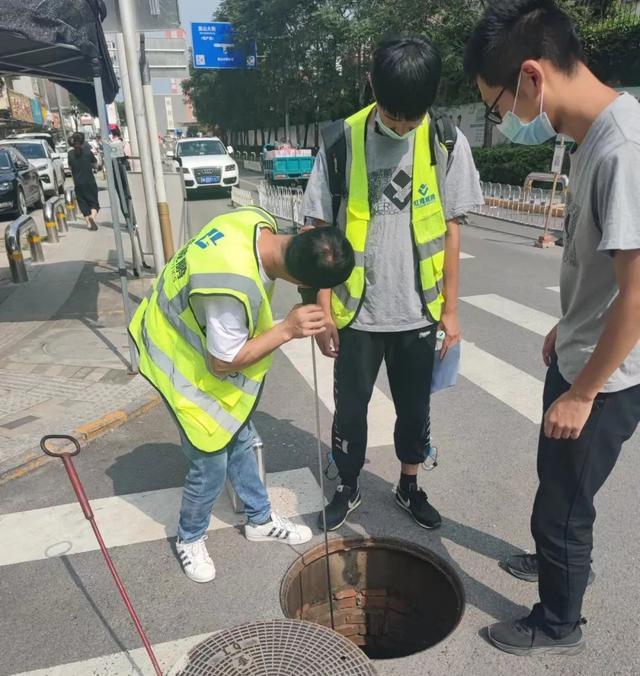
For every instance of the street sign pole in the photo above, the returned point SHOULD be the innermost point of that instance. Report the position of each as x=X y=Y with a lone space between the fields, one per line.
x=128 y=102
x=115 y=218
x=161 y=193
x=546 y=240
x=148 y=179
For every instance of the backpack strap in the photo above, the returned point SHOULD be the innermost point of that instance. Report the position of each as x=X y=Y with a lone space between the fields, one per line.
x=444 y=129
x=335 y=147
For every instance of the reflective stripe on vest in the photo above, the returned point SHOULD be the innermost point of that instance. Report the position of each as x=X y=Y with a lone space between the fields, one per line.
x=427 y=221
x=220 y=260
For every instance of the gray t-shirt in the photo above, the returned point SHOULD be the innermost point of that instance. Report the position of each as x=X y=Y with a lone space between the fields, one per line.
x=393 y=300
x=603 y=216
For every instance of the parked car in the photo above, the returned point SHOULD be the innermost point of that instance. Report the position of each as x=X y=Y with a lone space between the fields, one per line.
x=20 y=186
x=40 y=155
x=58 y=152
x=206 y=164
x=64 y=154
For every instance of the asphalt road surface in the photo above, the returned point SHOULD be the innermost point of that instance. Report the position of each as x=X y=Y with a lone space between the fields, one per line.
x=59 y=604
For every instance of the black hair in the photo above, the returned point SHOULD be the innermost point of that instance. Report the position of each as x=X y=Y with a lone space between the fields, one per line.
x=405 y=75
x=77 y=137
x=321 y=258
x=512 y=31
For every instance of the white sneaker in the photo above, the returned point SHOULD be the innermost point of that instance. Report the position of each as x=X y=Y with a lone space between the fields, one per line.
x=278 y=529
x=195 y=559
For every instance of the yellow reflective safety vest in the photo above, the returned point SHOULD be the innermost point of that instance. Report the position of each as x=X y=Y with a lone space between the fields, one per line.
x=221 y=260
x=427 y=220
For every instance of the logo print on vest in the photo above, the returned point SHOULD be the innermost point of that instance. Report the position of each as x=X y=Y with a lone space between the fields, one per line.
x=426 y=197
x=399 y=190
x=211 y=237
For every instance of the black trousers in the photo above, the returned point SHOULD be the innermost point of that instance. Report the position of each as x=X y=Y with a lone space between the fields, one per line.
x=571 y=472
x=409 y=358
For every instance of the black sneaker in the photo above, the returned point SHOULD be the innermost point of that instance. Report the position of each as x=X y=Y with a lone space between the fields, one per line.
x=525 y=567
x=524 y=637
x=415 y=502
x=343 y=503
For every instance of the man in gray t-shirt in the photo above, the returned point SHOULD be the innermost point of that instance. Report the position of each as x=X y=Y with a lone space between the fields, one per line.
x=528 y=62
x=399 y=306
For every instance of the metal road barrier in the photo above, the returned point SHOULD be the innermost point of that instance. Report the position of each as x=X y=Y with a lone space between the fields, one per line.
x=282 y=202
x=253 y=165
x=55 y=219
x=71 y=205
x=14 y=248
x=61 y=215
x=241 y=198
x=525 y=205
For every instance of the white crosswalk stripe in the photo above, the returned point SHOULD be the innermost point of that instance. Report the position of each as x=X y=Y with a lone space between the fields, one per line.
x=555 y=289
x=512 y=386
x=381 y=413
x=464 y=256
x=132 y=519
x=133 y=663
x=516 y=313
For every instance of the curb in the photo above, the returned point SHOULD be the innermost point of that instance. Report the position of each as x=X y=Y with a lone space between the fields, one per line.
x=34 y=458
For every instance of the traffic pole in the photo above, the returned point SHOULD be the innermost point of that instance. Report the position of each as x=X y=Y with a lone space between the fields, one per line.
x=127 y=17
x=161 y=193
x=128 y=103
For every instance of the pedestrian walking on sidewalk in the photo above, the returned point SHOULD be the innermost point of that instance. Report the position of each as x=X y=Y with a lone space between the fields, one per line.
x=397 y=185
x=529 y=65
x=82 y=162
x=205 y=337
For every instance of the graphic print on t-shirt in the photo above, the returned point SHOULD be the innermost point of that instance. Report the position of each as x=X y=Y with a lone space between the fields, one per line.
x=389 y=190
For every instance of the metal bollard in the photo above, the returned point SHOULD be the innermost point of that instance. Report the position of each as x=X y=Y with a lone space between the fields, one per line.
x=35 y=246
x=61 y=219
x=71 y=205
x=14 y=248
x=50 y=220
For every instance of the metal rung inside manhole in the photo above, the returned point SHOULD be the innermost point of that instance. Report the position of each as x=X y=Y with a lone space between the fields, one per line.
x=275 y=648
x=391 y=598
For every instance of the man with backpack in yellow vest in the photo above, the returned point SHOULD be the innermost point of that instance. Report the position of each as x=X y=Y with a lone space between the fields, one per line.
x=205 y=335
x=383 y=177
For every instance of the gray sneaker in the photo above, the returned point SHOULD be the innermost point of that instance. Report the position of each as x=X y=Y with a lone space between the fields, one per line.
x=525 y=567
x=523 y=637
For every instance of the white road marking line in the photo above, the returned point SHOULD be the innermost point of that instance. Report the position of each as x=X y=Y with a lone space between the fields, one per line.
x=522 y=315
x=464 y=256
x=132 y=663
x=556 y=289
x=132 y=519
x=382 y=416
x=510 y=385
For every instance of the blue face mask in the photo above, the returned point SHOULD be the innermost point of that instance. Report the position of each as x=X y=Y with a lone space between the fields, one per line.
x=390 y=133
x=533 y=133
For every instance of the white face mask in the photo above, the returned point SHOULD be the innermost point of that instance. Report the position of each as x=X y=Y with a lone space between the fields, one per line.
x=390 y=133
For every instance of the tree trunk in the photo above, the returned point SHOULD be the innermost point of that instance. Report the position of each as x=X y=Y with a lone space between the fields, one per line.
x=306 y=134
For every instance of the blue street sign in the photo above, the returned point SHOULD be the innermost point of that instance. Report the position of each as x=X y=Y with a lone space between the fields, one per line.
x=214 y=47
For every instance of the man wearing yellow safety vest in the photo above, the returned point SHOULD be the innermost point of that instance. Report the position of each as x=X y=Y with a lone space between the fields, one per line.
x=396 y=184
x=205 y=335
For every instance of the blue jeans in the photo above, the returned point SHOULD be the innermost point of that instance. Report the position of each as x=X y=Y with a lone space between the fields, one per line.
x=205 y=480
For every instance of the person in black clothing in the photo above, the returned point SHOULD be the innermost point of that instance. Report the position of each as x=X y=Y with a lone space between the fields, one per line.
x=81 y=163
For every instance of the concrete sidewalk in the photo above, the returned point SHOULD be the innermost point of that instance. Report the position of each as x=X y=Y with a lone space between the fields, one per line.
x=64 y=357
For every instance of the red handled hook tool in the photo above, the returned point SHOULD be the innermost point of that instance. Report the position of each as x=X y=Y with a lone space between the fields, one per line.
x=66 y=456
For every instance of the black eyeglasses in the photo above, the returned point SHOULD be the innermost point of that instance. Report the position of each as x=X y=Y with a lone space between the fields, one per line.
x=492 y=113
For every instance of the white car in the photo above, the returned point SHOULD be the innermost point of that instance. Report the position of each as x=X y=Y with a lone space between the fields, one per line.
x=39 y=153
x=58 y=151
x=206 y=164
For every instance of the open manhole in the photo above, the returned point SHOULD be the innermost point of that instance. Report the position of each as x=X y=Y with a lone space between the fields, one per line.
x=275 y=648
x=391 y=598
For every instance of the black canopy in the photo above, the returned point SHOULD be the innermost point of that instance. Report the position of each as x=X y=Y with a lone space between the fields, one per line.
x=60 y=40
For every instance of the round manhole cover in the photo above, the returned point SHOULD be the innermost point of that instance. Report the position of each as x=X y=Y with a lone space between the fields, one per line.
x=391 y=598
x=275 y=648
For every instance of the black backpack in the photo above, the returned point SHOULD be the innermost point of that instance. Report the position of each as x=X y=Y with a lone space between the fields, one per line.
x=441 y=128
